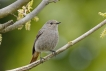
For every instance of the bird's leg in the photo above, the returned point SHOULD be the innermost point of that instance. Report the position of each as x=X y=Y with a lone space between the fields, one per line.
x=41 y=58
x=53 y=52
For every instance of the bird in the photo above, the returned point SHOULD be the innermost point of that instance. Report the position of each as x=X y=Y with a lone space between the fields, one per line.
x=46 y=39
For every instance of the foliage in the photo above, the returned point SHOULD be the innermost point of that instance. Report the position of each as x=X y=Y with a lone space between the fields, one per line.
x=104 y=31
x=23 y=12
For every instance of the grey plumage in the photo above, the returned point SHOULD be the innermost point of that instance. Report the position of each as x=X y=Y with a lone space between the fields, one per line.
x=46 y=39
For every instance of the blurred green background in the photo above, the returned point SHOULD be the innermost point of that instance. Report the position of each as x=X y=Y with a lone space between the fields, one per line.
x=77 y=17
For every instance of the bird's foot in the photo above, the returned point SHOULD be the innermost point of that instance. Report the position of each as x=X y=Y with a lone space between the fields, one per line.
x=41 y=59
x=53 y=52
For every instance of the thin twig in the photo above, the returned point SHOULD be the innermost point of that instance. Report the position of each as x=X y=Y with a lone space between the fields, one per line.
x=71 y=43
x=4 y=25
x=12 y=7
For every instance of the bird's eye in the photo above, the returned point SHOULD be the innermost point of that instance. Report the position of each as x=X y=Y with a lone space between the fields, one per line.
x=51 y=23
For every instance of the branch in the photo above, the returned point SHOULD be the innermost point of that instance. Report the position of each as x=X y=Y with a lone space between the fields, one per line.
x=28 y=17
x=70 y=43
x=13 y=7
x=4 y=25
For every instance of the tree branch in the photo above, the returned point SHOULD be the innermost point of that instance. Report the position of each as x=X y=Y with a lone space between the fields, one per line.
x=28 y=17
x=70 y=43
x=13 y=7
x=4 y=25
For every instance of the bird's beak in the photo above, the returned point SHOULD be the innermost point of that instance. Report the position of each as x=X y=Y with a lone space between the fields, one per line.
x=58 y=23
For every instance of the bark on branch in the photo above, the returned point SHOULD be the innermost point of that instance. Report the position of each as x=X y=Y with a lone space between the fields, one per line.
x=69 y=44
x=4 y=25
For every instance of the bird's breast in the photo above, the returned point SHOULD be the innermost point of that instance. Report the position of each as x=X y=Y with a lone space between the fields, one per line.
x=47 y=41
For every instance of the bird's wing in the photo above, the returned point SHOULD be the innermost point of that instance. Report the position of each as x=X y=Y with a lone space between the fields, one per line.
x=39 y=34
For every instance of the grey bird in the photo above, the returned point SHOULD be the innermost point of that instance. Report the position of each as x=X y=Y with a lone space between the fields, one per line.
x=46 y=40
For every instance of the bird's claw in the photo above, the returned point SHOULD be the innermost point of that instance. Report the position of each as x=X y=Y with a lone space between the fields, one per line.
x=53 y=52
x=41 y=59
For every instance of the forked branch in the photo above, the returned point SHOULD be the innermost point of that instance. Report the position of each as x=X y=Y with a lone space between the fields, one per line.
x=28 y=16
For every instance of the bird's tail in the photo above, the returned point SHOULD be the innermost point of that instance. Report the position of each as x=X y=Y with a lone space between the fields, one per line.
x=35 y=56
